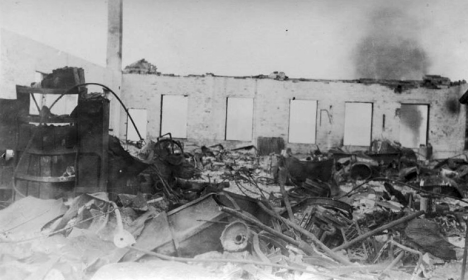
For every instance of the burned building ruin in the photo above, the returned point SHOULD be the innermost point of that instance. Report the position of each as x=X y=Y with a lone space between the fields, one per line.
x=136 y=173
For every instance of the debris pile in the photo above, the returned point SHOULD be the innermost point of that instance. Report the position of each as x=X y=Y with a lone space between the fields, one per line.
x=141 y=67
x=214 y=213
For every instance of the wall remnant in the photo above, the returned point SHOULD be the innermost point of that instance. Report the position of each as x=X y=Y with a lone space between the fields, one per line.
x=208 y=94
x=141 y=67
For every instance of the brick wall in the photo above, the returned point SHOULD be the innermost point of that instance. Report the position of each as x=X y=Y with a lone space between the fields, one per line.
x=207 y=108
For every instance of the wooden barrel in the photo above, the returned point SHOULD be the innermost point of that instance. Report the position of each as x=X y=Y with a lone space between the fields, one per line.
x=46 y=160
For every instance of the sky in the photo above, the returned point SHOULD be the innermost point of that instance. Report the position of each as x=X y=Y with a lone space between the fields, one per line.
x=317 y=39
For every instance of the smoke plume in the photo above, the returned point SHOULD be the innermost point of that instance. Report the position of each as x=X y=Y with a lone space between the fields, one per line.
x=390 y=49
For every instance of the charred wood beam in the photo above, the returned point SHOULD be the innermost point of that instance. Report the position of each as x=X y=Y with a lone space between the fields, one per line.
x=379 y=229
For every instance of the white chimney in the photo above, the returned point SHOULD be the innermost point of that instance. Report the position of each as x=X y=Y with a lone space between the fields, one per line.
x=114 y=35
x=114 y=62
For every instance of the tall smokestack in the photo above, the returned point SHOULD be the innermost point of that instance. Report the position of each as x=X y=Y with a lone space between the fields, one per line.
x=390 y=49
x=114 y=60
x=114 y=35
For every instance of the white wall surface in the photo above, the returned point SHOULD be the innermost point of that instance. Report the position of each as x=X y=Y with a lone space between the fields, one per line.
x=358 y=124
x=302 y=121
x=239 y=119
x=174 y=115
x=140 y=117
x=21 y=58
x=413 y=125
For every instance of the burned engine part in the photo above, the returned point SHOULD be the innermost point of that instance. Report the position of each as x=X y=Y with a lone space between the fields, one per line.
x=327 y=219
x=443 y=190
x=236 y=236
x=409 y=173
x=167 y=146
x=397 y=194
x=331 y=222
x=122 y=167
x=361 y=171
x=299 y=170
x=325 y=224
x=316 y=189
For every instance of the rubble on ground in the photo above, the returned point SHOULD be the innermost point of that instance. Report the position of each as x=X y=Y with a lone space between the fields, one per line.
x=217 y=213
